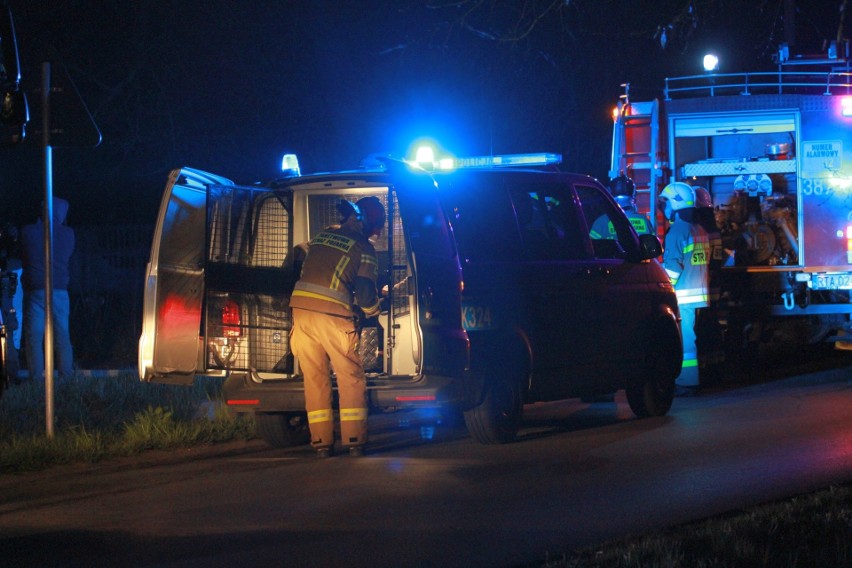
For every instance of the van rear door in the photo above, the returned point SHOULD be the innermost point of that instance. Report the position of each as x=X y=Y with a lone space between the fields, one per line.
x=174 y=281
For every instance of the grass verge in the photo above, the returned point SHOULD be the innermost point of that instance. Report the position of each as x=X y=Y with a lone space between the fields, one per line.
x=97 y=418
x=813 y=530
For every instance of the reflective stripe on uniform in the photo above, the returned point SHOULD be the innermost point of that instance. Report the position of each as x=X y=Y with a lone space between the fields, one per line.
x=689 y=363
x=673 y=275
x=311 y=290
x=351 y=414
x=369 y=259
x=320 y=297
x=374 y=310
x=691 y=295
x=338 y=272
x=315 y=416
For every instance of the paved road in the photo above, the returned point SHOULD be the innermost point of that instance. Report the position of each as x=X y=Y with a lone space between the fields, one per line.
x=580 y=474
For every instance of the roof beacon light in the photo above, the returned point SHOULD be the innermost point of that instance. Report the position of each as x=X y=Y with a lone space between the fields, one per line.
x=290 y=165
x=846 y=106
x=425 y=158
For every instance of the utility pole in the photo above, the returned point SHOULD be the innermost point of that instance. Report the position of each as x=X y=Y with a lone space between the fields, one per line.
x=47 y=216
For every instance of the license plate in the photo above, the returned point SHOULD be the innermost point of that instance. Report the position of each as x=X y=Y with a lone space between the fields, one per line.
x=831 y=282
x=476 y=317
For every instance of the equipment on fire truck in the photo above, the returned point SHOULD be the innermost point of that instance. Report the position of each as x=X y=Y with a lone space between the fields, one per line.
x=773 y=150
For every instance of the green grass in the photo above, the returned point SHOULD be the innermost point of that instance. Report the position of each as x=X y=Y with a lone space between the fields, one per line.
x=101 y=417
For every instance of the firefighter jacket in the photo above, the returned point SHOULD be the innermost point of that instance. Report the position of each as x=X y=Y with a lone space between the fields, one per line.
x=339 y=273
x=640 y=222
x=603 y=229
x=686 y=258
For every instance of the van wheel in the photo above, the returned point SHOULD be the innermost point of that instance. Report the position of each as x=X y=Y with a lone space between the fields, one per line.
x=653 y=393
x=497 y=418
x=282 y=429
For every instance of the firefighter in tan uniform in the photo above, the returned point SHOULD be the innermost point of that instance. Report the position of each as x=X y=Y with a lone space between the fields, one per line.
x=337 y=287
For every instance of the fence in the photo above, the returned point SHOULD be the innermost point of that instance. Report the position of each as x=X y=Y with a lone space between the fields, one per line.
x=107 y=283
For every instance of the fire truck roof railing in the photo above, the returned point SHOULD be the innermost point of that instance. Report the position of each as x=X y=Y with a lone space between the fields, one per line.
x=832 y=82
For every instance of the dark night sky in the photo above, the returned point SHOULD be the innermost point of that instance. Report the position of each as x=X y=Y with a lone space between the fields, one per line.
x=229 y=86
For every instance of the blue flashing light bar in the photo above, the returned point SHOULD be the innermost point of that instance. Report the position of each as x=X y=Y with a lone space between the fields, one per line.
x=502 y=160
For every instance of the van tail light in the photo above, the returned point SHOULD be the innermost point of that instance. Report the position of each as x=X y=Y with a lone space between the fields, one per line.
x=231 y=319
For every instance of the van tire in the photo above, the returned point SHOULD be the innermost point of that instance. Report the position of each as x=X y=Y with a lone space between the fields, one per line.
x=282 y=429
x=497 y=418
x=652 y=394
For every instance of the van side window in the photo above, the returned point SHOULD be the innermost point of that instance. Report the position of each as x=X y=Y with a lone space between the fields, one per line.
x=482 y=219
x=608 y=228
x=547 y=223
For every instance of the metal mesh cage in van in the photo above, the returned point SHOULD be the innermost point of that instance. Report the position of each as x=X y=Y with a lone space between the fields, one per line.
x=247 y=280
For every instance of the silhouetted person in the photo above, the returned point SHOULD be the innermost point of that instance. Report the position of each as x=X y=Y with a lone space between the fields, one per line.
x=33 y=257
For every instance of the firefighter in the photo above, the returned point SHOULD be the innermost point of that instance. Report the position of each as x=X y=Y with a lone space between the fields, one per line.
x=708 y=331
x=623 y=190
x=337 y=288
x=686 y=257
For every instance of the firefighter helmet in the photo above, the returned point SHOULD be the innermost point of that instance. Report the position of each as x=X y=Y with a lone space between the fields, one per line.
x=702 y=198
x=677 y=196
x=623 y=190
x=371 y=213
x=680 y=195
x=345 y=209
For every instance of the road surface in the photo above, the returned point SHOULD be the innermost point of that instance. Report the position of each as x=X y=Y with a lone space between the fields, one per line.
x=579 y=474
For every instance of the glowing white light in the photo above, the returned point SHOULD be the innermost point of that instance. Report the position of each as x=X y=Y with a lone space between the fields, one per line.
x=425 y=155
x=846 y=106
x=840 y=183
x=446 y=164
x=290 y=163
x=711 y=62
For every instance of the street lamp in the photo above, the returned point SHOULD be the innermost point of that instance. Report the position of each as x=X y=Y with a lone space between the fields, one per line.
x=711 y=63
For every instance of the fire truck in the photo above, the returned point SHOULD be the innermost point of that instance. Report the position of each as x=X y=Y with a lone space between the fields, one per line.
x=774 y=149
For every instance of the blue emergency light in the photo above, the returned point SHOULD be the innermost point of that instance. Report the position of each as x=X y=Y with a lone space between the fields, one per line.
x=290 y=165
x=425 y=158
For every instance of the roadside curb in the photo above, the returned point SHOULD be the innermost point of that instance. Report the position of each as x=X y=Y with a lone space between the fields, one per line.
x=92 y=373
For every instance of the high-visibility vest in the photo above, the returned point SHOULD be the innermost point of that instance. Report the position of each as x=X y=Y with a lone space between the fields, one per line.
x=686 y=258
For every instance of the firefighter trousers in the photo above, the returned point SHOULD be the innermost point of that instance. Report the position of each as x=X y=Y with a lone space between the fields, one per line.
x=316 y=340
x=689 y=371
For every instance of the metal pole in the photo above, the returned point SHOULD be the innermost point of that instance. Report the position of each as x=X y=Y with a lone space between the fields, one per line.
x=47 y=219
